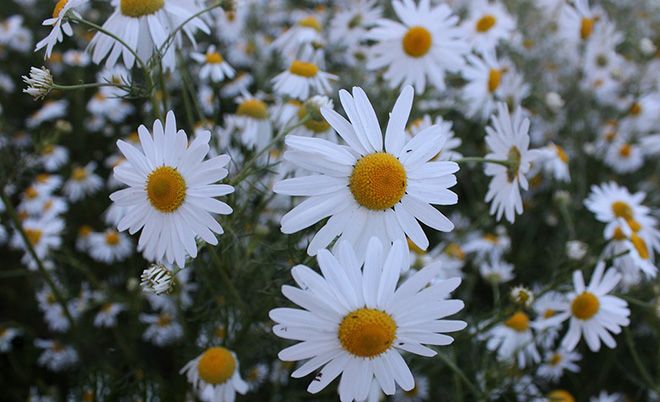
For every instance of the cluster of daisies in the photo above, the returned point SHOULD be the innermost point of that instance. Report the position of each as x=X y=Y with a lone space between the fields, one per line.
x=464 y=193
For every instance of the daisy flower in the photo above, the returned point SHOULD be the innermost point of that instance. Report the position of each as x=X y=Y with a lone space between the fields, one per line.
x=252 y=121
x=555 y=161
x=305 y=32
x=449 y=151
x=425 y=45
x=356 y=321
x=594 y=314
x=43 y=235
x=214 y=65
x=484 y=78
x=171 y=191
x=55 y=355
x=145 y=25
x=514 y=340
x=7 y=335
x=162 y=330
x=556 y=362
x=107 y=315
x=349 y=26
x=215 y=375
x=487 y=24
x=109 y=246
x=577 y=21
x=496 y=271
x=369 y=187
x=60 y=26
x=83 y=182
x=624 y=157
x=508 y=139
x=302 y=80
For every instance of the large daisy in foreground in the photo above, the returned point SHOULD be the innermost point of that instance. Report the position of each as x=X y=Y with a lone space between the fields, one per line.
x=356 y=321
x=369 y=187
x=171 y=193
x=425 y=46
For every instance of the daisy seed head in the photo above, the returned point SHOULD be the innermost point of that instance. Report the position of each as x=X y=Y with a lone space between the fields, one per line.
x=216 y=366
x=519 y=321
x=157 y=279
x=378 y=181
x=166 y=189
x=585 y=306
x=485 y=23
x=367 y=332
x=417 y=41
x=303 y=69
x=39 y=83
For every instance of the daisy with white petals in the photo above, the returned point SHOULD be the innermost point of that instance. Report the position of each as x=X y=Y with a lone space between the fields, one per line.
x=214 y=66
x=215 y=375
x=508 y=140
x=425 y=45
x=356 y=321
x=60 y=26
x=302 y=80
x=369 y=187
x=171 y=193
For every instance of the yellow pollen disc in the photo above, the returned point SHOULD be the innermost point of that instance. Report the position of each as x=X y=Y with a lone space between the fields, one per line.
x=58 y=8
x=585 y=306
x=417 y=41
x=514 y=156
x=634 y=225
x=622 y=210
x=549 y=313
x=310 y=22
x=586 y=27
x=640 y=246
x=619 y=235
x=254 y=108
x=378 y=181
x=57 y=347
x=79 y=174
x=106 y=307
x=31 y=193
x=555 y=359
x=42 y=178
x=625 y=150
x=48 y=205
x=367 y=332
x=214 y=58
x=455 y=251
x=561 y=154
x=216 y=365
x=635 y=109
x=112 y=238
x=519 y=321
x=303 y=69
x=140 y=8
x=485 y=23
x=491 y=238
x=317 y=126
x=33 y=235
x=164 y=320
x=560 y=396
x=494 y=79
x=84 y=231
x=166 y=189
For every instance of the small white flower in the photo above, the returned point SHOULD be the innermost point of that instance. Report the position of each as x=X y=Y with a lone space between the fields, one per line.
x=156 y=279
x=40 y=83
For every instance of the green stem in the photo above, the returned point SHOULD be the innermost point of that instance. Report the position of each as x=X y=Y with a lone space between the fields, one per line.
x=469 y=159
x=638 y=362
x=30 y=249
x=473 y=388
x=86 y=86
x=224 y=276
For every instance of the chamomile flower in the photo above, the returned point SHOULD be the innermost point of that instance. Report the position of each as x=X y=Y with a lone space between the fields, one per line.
x=594 y=314
x=82 y=182
x=624 y=157
x=60 y=25
x=306 y=31
x=53 y=157
x=215 y=375
x=163 y=329
x=370 y=187
x=487 y=24
x=508 y=139
x=555 y=161
x=425 y=45
x=107 y=315
x=356 y=320
x=145 y=26
x=349 y=26
x=214 y=66
x=56 y=356
x=496 y=271
x=251 y=122
x=109 y=246
x=577 y=21
x=301 y=80
x=7 y=335
x=44 y=235
x=449 y=151
x=556 y=362
x=171 y=193
x=513 y=340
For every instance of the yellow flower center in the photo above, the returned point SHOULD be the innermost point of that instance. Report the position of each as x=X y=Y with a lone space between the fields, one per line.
x=112 y=238
x=494 y=79
x=619 y=235
x=640 y=246
x=455 y=251
x=622 y=210
x=216 y=366
x=317 y=126
x=34 y=236
x=625 y=150
x=140 y=8
x=367 y=332
x=485 y=23
x=31 y=193
x=634 y=225
x=560 y=396
x=310 y=22
x=378 y=181
x=417 y=41
x=635 y=109
x=79 y=174
x=549 y=313
x=254 y=108
x=585 y=306
x=58 y=8
x=84 y=231
x=555 y=359
x=514 y=157
x=303 y=69
x=491 y=238
x=586 y=27
x=561 y=154
x=214 y=58
x=164 y=320
x=166 y=189
x=519 y=321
